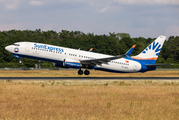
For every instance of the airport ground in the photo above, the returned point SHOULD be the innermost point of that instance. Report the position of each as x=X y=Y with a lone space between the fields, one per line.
x=88 y=99
x=93 y=73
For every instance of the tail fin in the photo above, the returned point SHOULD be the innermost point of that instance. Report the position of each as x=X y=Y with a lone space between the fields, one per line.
x=151 y=53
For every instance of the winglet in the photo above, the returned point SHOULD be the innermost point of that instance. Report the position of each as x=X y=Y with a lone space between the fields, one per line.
x=130 y=50
x=91 y=50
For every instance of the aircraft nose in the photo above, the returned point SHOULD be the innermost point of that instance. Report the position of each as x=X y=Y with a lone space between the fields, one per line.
x=8 y=48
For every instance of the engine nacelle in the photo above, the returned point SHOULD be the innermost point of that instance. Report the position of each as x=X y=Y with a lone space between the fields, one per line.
x=71 y=63
x=67 y=63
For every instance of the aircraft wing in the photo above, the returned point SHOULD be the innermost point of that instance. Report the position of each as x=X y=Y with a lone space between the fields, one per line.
x=100 y=61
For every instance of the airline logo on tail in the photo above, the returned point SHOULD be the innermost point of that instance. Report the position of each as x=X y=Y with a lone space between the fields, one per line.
x=154 y=47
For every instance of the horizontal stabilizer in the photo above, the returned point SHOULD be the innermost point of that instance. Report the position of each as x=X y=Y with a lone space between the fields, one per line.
x=155 y=65
x=130 y=50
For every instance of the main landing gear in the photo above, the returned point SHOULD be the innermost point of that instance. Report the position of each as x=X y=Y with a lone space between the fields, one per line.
x=86 y=72
x=80 y=72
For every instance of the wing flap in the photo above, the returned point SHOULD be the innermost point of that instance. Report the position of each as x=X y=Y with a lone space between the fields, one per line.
x=101 y=60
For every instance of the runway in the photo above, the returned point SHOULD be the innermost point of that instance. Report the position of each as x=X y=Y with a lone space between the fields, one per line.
x=89 y=78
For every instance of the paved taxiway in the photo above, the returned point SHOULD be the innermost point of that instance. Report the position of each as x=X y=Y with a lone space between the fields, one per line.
x=89 y=78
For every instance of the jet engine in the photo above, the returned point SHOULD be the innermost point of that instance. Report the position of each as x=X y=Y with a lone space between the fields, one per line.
x=71 y=63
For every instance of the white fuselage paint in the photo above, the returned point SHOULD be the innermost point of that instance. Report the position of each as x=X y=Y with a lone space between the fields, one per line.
x=28 y=49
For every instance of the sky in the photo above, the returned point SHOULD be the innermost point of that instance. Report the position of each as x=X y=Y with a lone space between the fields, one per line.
x=139 y=18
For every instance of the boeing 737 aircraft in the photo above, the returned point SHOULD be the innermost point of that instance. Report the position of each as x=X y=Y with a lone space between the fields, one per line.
x=67 y=57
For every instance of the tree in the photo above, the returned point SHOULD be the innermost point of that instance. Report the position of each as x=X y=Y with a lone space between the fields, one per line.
x=113 y=44
x=122 y=35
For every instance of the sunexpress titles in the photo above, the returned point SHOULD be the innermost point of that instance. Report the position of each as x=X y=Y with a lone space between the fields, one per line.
x=48 y=47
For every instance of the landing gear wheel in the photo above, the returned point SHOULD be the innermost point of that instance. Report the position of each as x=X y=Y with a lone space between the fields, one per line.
x=80 y=72
x=87 y=72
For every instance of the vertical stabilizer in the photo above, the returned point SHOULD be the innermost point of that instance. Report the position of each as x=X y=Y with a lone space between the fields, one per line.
x=151 y=53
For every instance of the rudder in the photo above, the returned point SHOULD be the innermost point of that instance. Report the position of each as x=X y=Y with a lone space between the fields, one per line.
x=151 y=53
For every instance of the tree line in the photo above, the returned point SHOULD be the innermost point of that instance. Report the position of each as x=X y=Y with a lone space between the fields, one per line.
x=112 y=44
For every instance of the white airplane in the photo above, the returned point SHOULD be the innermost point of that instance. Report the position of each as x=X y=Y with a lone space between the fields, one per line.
x=67 y=57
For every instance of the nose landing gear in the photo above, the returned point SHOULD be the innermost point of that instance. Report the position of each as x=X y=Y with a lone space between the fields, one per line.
x=86 y=72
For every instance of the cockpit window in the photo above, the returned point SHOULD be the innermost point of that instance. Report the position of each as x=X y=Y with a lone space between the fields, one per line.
x=16 y=44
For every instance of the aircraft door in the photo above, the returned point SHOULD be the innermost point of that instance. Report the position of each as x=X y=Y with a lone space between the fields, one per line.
x=27 y=47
